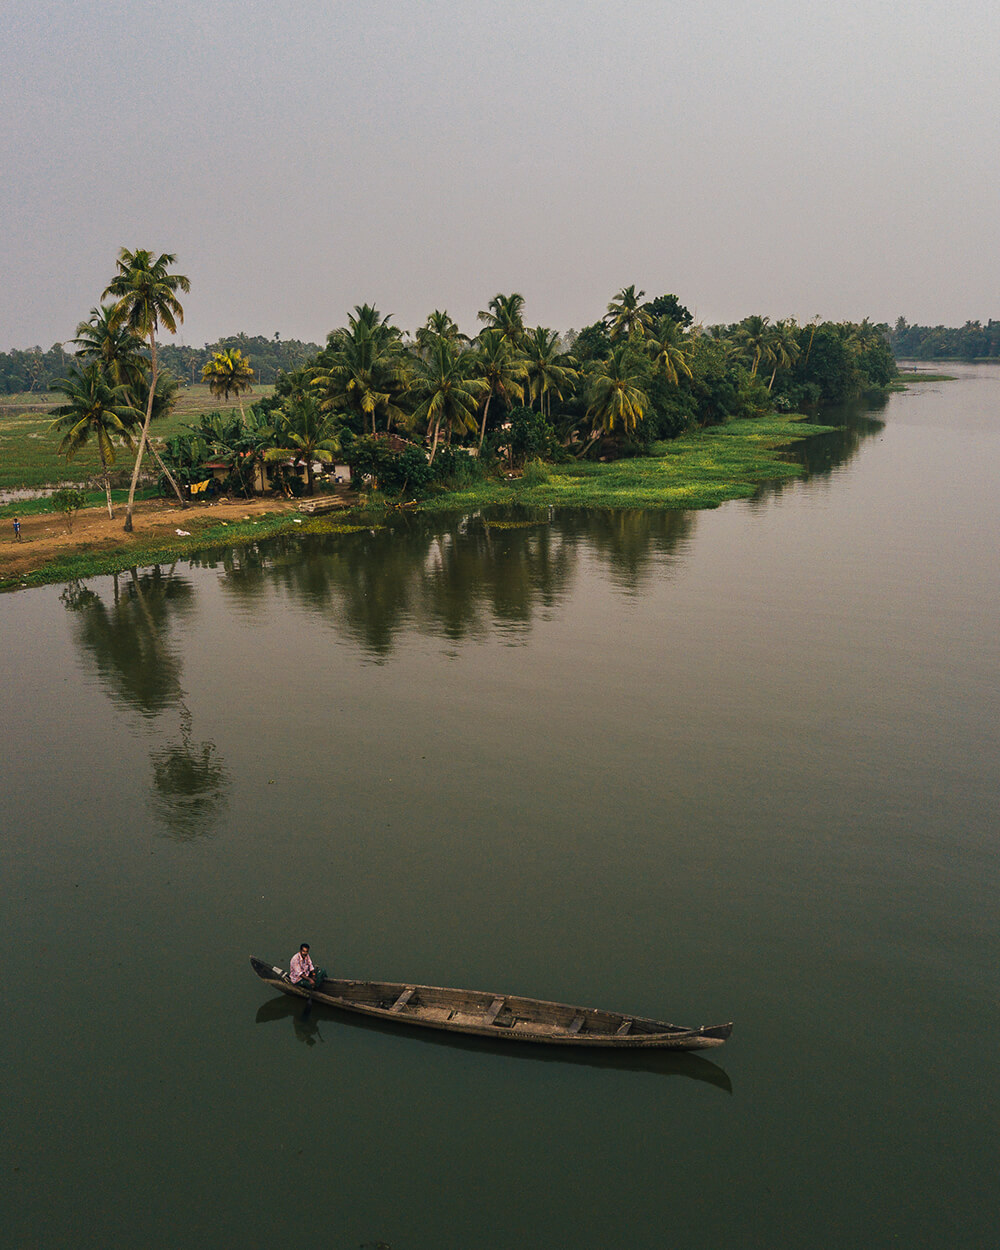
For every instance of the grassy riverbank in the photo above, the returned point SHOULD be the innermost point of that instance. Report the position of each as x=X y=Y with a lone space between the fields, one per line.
x=701 y=469
x=906 y=379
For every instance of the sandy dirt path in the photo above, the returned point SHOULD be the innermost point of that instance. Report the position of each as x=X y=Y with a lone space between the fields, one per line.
x=43 y=537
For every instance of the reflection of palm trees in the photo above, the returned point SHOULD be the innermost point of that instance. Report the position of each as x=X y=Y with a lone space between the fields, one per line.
x=456 y=579
x=127 y=640
x=126 y=637
x=189 y=783
x=632 y=543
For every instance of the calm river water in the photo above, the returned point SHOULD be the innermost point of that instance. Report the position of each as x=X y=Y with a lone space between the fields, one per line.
x=738 y=764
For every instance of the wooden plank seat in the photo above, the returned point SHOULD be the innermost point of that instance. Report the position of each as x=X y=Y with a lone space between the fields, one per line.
x=496 y=1006
x=576 y=1026
x=404 y=998
x=623 y=1028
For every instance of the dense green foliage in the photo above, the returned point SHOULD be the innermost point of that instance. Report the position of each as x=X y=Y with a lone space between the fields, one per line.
x=973 y=341
x=270 y=357
x=416 y=414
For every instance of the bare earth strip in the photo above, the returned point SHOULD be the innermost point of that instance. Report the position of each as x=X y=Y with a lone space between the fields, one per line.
x=44 y=537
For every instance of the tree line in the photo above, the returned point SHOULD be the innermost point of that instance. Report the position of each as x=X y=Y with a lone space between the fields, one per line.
x=32 y=370
x=973 y=341
x=406 y=410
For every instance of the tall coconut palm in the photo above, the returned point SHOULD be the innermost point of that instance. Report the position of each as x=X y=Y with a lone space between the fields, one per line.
x=146 y=297
x=229 y=373
x=669 y=347
x=114 y=347
x=305 y=434
x=626 y=316
x=119 y=353
x=94 y=408
x=439 y=325
x=754 y=334
x=503 y=372
x=617 y=398
x=549 y=372
x=506 y=314
x=363 y=370
x=447 y=391
x=784 y=346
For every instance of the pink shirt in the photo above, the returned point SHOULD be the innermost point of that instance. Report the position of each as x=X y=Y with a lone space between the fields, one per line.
x=301 y=966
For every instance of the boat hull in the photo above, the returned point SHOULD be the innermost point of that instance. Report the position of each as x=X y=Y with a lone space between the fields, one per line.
x=509 y=1017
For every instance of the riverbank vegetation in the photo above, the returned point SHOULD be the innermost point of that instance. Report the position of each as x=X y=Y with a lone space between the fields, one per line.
x=699 y=469
x=971 y=342
x=597 y=416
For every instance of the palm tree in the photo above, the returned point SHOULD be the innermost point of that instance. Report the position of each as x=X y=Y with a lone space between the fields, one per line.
x=242 y=442
x=447 y=390
x=229 y=373
x=668 y=348
x=119 y=353
x=754 y=334
x=306 y=434
x=504 y=374
x=94 y=408
x=506 y=314
x=784 y=347
x=549 y=372
x=626 y=316
x=617 y=398
x=146 y=295
x=439 y=325
x=364 y=369
x=114 y=347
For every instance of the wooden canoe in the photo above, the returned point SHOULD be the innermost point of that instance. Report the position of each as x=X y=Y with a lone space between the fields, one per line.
x=482 y=1014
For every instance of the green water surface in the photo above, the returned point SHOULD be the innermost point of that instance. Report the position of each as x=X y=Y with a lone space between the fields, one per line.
x=738 y=764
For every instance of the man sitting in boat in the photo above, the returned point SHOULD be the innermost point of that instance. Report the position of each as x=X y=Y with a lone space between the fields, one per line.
x=302 y=971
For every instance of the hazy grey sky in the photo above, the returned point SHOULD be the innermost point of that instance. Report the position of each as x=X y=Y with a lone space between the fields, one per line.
x=787 y=157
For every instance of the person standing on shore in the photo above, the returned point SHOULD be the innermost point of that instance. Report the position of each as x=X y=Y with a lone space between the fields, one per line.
x=17 y=529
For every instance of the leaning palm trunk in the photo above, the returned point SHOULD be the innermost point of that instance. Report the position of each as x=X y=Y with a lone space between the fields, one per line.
x=142 y=443
x=482 y=424
x=167 y=474
x=142 y=436
x=107 y=479
x=587 y=446
x=434 y=444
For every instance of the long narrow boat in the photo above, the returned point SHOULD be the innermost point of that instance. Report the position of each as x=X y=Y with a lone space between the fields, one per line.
x=482 y=1014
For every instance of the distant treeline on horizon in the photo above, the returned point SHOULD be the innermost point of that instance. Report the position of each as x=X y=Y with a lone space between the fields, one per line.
x=973 y=341
x=32 y=369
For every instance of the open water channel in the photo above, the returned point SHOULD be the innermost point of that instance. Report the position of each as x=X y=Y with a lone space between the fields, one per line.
x=738 y=764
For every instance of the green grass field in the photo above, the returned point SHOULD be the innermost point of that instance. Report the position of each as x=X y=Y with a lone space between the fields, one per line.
x=28 y=459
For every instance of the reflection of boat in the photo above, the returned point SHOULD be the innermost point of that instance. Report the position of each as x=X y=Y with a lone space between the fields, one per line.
x=658 y=1062
x=503 y=1016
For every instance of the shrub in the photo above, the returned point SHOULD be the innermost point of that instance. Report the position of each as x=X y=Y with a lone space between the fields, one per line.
x=405 y=471
x=525 y=435
x=68 y=501
x=536 y=473
x=454 y=468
